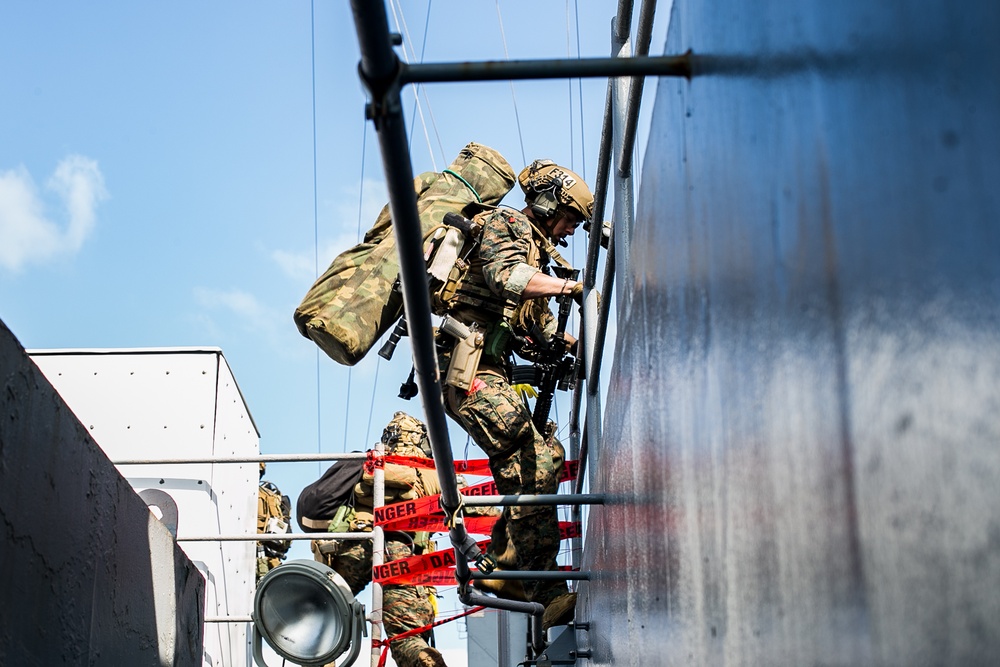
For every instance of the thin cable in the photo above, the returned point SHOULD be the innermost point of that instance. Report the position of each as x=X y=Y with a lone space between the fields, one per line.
x=361 y=199
x=569 y=86
x=517 y=117
x=371 y=408
x=319 y=404
x=402 y=28
x=423 y=89
x=583 y=134
x=423 y=50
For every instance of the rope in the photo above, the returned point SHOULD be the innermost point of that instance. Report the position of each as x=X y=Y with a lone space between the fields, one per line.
x=517 y=117
x=384 y=643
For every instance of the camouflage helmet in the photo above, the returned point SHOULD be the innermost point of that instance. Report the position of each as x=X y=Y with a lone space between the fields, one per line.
x=404 y=429
x=546 y=185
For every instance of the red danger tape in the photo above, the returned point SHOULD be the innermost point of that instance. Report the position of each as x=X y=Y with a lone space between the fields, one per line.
x=405 y=569
x=441 y=578
x=471 y=467
x=391 y=515
x=477 y=525
x=436 y=560
x=475 y=467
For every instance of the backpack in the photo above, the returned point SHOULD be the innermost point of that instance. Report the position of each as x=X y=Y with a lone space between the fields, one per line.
x=274 y=515
x=319 y=502
x=353 y=303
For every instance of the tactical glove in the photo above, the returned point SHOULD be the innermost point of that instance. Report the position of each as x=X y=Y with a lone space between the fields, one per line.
x=577 y=294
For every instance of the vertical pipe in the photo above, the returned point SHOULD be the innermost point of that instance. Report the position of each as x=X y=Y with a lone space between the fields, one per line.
x=623 y=202
x=379 y=68
x=576 y=454
x=622 y=24
x=644 y=34
x=378 y=557
x=601 y=330
x=600 y=193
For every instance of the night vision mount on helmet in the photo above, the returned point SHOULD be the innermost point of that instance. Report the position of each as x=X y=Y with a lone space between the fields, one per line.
x=547 y=186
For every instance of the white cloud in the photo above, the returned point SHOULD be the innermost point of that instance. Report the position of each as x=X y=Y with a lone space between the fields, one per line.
x=239 y=308
x=27 y=235
x=301 y=265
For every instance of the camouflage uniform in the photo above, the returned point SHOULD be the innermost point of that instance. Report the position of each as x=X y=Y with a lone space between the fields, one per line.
x=273 y=516
x=404 y=607
x=511 y=251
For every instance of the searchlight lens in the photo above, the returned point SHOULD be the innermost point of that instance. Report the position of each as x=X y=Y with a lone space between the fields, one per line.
x=305 y=612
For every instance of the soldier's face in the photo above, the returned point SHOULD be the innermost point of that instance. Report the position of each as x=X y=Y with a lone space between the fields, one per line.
x=563 y=225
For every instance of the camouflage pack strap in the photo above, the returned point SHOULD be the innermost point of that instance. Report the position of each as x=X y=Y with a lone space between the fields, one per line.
x=467 y=184
x=548 y=247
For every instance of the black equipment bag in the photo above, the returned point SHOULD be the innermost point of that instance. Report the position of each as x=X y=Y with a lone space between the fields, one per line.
x=319 y=501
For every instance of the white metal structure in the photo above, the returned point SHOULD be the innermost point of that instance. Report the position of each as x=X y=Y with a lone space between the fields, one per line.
x=178 y=403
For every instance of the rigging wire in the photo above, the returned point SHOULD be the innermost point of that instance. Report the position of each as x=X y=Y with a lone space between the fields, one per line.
x=371 y=407
x=422 y=88
x=319 y=404
x=569 y=86
x=416 y=88
x=583 y=134
x=517 y=116
x=401 y=26
x=361 y=199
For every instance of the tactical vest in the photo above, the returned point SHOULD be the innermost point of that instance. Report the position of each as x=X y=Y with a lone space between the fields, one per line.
x=273 y=516
x=474 y=300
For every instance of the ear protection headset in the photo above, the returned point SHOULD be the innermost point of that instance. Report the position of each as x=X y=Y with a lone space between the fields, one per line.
x=544 y=204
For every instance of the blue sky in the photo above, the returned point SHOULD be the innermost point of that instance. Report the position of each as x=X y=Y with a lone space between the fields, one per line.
x=157 y=178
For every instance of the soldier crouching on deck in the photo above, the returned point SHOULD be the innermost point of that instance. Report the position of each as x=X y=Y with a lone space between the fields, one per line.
x=504 y=296
x=404 y=607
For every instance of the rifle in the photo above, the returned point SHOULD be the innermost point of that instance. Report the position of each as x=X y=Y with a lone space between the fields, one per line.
x=555 y=368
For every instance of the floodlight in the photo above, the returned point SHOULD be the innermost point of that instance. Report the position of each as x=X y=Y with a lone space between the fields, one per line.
x=306 y=612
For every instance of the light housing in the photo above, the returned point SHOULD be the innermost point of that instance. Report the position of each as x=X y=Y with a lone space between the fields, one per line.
x=306 y=612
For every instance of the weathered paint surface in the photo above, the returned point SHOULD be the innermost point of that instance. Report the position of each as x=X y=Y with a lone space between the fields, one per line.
x=804 y=412
x=87 y=575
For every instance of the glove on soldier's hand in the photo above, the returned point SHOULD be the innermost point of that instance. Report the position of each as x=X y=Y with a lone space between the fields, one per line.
x=577 y=294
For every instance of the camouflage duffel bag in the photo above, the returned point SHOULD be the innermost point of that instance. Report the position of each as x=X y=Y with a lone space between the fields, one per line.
x=353 y=304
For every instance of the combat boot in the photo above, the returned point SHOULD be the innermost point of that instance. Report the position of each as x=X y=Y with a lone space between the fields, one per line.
x=430 y=657
x=560 y=611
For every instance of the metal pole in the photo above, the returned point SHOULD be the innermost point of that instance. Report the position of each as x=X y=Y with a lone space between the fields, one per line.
x=380 y=70
x=541 y=499
x=600 y=193
x=378 y=557
x=578 y=68
x=601 y=330
x=622 y=24
x=269 y=537
x=266 y=458
x=533 y=575
x=623 y=185
x=644 y=34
